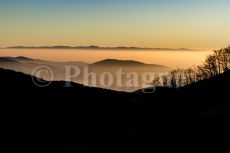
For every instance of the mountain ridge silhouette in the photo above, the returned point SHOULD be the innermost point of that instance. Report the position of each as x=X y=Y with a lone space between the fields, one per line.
x=84 y=119
x=94 y=47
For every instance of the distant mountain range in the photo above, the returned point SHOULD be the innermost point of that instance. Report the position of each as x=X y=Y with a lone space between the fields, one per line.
x=93 y=47
x=106 y=62
x=115 y=62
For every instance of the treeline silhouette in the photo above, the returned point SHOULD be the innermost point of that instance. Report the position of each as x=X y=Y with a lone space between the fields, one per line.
x=214 y=65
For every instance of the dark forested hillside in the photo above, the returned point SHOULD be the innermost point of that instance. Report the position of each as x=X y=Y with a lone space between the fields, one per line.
x=194 y=118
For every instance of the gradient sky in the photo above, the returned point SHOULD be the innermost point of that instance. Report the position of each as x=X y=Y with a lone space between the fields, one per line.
x=143 y=23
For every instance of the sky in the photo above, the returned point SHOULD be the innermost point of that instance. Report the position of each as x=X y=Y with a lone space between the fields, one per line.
x=198 y=24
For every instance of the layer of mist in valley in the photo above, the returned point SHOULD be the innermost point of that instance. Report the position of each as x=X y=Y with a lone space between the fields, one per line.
x=121 y=75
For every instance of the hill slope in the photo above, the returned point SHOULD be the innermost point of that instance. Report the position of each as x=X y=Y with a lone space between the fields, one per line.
x=83 y=119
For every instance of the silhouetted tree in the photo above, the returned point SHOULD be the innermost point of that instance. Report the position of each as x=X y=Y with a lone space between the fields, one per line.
x=225 y=59
x=211 y=65
x=173 y=79
x=156 y=81
x=165 y=80
x=189 y=76
x=218 y=55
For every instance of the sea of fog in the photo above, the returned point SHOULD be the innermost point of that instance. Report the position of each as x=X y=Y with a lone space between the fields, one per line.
x=169 y=58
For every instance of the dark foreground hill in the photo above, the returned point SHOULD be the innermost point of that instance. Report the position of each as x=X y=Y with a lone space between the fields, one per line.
x=82 y=119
